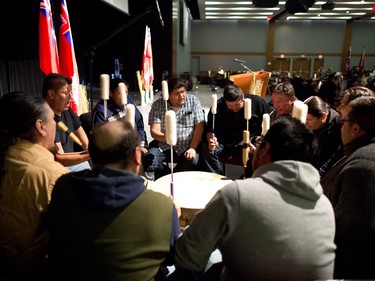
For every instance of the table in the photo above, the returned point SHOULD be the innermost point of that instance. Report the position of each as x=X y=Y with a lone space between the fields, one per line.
x=192 y=191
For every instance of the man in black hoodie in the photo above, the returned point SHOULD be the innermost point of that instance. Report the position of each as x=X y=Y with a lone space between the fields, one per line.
x=103 y=223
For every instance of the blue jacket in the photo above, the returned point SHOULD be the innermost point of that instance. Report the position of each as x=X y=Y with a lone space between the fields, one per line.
x=112 y=110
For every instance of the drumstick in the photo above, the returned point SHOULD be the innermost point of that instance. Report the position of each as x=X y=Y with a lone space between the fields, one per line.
x=213 y=111
x=171 y=137
x=247 y=112
x=245 y=150
x=122 y=90
x=130 y=114
x=265 y=124
x=165 y=93
x=72 y=135
x=104 y=91
x=139 y=79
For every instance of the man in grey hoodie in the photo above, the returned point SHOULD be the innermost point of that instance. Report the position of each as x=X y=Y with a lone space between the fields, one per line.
x=277 y=225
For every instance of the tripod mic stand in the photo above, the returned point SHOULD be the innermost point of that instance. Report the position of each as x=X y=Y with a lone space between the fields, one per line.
x=91 y=51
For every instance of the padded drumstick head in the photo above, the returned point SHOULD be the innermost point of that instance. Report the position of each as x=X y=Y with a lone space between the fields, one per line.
x=247 y=109
x=170 y=127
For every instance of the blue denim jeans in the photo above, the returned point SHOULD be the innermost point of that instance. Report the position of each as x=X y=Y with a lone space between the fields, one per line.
x=80 y=167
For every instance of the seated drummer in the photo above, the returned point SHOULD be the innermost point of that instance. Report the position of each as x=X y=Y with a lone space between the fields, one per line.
x=230 y=123
x=277 y=225
x=190 y=125
x=57 y=91
x=113 y=227
x=115 y=111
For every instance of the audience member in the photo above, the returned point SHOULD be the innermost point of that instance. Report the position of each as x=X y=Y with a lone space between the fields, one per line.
x=116 y=111
x=349 y=95
x=324 y=122
x=27 y=174
x=283 y=97
x=57 y=91
x=190 y=121
x=349 y=185
x=353 y=75
x=103 y=223
x=303 y=88
x=230 y=123
x=332 y=89
x=277 y=225
x=371 y=84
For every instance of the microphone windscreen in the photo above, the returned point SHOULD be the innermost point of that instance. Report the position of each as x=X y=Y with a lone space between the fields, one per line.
x=265 y=123
x=104 y=86
x=164 y=89
x=214 y=103
x=130 y=114
x=247 y=109
x=170 y=127
x=300 y=111
x=122 y=89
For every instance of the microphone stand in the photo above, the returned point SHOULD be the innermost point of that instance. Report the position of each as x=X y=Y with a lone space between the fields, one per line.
x=248 y=69
x=91 y=51
x=244 y=66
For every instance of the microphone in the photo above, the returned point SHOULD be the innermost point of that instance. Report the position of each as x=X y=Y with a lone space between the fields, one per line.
x=240 y=61
x=159 y=13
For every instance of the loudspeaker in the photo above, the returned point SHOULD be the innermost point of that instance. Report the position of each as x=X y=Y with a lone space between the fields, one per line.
x=265 y=3
x=298 y=6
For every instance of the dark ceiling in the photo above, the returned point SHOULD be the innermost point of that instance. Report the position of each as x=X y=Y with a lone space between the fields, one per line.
x=95 y=25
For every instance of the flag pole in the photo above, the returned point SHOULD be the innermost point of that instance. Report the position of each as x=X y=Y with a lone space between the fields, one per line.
x=361 y=63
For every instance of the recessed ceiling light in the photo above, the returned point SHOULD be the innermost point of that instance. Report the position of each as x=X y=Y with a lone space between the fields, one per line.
x=247 y=10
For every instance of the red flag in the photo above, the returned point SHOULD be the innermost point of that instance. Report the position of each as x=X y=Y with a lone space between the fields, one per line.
x=68 y=63
x=147 y=67
x=48 y=55
x=347 y=64
x=361 y=63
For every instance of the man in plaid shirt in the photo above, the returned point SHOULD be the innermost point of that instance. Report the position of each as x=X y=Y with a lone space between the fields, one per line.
x=189 y=127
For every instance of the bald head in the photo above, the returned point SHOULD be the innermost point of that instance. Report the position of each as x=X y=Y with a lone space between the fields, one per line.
x=115 y=143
